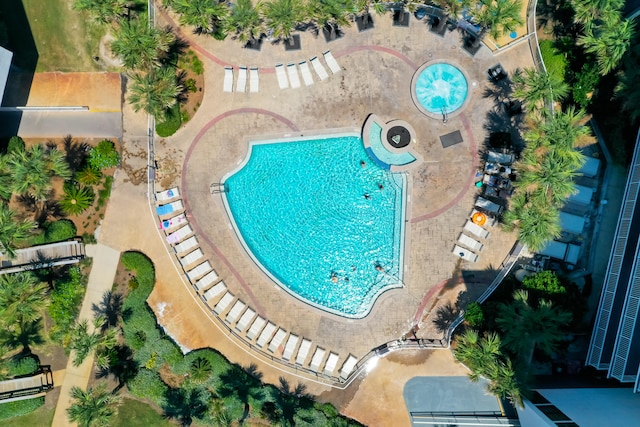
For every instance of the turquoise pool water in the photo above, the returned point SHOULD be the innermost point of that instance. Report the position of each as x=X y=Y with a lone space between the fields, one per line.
x=299 y=207
x=441 y=86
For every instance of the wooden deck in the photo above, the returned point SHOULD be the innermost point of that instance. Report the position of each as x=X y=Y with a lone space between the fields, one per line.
x=43 y=256
x=27 y=387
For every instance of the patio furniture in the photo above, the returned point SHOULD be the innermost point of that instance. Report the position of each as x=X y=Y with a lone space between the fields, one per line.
x=169 y=208
x=224 y=303
x=332 y=361
x=496 y=73
x=241 y=84
x=235 y=312
x=303 y=351
x=180 y=234
x=184 y=246
x=472 y=244
x=227 y=85
x=210 y=278
x=173 y=222
x=266 y=334
x=292 y=72
x=347 y=366
x=290 y=346
x=319 y=68
x=254 y=80
x=331 y=62
x=488 y=206
x=191 y=258
x=246 y=318
x=316 y=360
x=200 y=270
x=277 y=340
x=465 y=254
x=256 y=327
x=306 y=73
x=172 y=193
x=281 y=74
x=475 y=229
x=216 y=290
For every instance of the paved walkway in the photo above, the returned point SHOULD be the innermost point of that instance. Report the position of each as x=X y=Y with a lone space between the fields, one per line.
x=103 y=270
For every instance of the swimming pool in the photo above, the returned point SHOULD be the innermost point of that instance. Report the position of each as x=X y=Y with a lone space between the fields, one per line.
x=322 y=226
x=439 y=88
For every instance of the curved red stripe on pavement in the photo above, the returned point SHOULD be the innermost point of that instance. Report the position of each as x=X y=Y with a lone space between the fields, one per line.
x=425 y=300
x=193 y=221
x=470 y=178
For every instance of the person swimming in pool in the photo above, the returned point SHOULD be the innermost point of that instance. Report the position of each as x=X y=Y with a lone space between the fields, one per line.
x=380 y=186
x=363 y=164
x=367 y=196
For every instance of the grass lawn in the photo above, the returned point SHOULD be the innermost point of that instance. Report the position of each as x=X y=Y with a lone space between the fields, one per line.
x=50 y=36
x=40 y=417
x=134 y=413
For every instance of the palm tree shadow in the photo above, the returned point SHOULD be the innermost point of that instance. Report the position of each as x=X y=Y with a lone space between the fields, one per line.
x=236 y=382
x=184 y=405
x=445 y=315
x=110 y=307
x=76 y=153
x=122 y=366
x=177 y=48
x=285 y=403
x=41 y=210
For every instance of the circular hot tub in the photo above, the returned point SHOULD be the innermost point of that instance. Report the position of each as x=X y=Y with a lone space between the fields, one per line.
x=439 y=89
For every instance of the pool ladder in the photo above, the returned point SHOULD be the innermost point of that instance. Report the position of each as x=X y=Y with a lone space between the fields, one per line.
x=445 y=117
x=217 y=188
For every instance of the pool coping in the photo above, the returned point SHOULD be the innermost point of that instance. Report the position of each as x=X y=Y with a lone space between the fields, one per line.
x=366 y=140
x=404 y=224
x=471 y=84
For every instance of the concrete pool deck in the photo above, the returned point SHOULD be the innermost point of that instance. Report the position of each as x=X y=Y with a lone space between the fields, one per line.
x=377 y=67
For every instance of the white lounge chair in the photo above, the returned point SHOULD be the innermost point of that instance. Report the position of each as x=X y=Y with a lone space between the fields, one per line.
x=212 y=293
x=198 y=271
x=256 y=327
x=235 y=312
x=475 y=229
x=224 y=303
x=347 y=366
x=316 y=360
x=491 y=221
x=320 y=70
x=191 y=257
x=254 y=80
x=275 y=343
x=266 y=334
x=290 y=346
x=173 y=222
x=179 y=235
x=163 y=196
x=330 y=366
x=292 y=72
x=331 y=62
x=306 y=73
x=169 y=208
x=186 y=245
x=465 y=254
x=281 y=74
x=303 y=351
x=241 y=84
x=227 y=85
x=245 y=319
x=210 y=278
x=472 y=244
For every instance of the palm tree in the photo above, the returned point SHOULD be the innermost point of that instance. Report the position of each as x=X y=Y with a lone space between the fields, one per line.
x=505 y=383
x=22 y=334
x=526 y=328
x=154 y=92
x=140 y=46
x=83 y=341
x=594 y=12
x=76 y=199
x=33 y=169
x=12 y=230
x=103 y=11
x=609 y=43
x=245 y=21
x=283 y=16
x=331 y=13
x=22 y=298
x=533 y=87
x=498 y=17
x=478 y=353
x=94 y=407
x=206 y=16
x=452 y=9
x=536 y=220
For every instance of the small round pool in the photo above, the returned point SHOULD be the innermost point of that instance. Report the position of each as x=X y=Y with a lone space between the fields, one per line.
x=439 y=89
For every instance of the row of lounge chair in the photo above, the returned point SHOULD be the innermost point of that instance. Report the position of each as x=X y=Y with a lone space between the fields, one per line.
x=232 y=310
x=468 y=246
x=241 y=83
x=289 y=76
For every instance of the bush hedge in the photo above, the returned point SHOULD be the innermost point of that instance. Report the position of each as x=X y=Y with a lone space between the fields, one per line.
x=66 y=298
x=23 y=366
x=171 y=123
x=104 y=155
x=554 y=61
x=20 y=407
x=54 y=231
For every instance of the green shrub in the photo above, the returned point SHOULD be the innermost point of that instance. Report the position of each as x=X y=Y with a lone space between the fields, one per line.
x=586 y=81
x=171 y=123
x=190 y=85
x=474 y=315
x=20 y=407
x=24 y=366
x=66 y=298
x=104 y=155
x=89 y=238
x=147 y=384
x=554 y=61
x=89 y=176
x=59 y=231
x=190 y=61
x=76 y=199
x=105 y=192
x=15 y=144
